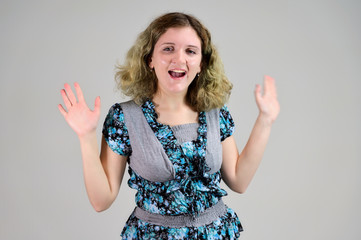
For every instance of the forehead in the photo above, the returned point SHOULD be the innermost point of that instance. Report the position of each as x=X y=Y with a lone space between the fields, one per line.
x=181 y=36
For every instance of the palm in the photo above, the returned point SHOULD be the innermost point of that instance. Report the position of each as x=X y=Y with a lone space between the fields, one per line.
x=267 y=102
x=78 y=115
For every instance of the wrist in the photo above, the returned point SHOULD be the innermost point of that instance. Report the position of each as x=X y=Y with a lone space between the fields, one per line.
x=265 y=120
x=87 y=135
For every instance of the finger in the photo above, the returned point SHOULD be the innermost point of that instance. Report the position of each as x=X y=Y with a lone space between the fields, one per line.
x=269 y=86
x=97 y=105
x=257 y=93
x=70 y=93
x=62 y=110
x=79 y=92
x=65 y=99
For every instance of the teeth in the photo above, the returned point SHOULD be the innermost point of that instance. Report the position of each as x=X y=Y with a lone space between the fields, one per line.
x=177 y=73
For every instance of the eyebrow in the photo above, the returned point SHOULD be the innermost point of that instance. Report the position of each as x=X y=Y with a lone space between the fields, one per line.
x=170 y=43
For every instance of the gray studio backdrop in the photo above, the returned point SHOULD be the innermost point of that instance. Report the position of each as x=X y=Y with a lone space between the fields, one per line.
x=309 y=184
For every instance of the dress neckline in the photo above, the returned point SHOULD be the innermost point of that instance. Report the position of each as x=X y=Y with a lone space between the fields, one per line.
x=152 y=116
x=166 y=137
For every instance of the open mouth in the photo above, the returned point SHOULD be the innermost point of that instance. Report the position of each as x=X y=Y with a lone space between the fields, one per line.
x=177 y=73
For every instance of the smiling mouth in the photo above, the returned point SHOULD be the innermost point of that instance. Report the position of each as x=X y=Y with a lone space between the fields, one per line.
x=177 y=73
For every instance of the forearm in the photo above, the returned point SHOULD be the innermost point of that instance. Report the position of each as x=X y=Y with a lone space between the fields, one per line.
x=239 y=169
x=95 y=178
x=250 y=158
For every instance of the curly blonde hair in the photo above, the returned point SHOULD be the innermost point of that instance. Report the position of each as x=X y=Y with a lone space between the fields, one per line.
x=211 y=89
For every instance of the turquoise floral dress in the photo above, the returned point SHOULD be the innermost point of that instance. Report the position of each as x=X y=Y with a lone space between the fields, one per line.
x=192 y=191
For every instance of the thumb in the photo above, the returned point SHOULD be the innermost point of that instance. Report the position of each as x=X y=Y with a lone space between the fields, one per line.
x=257 y=93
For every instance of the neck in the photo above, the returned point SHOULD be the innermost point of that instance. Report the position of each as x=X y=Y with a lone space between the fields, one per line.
x=173 y=110
x=169 y=102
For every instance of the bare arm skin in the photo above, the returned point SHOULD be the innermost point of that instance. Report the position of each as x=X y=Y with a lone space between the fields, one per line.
x=103 y=172
x=239 y=169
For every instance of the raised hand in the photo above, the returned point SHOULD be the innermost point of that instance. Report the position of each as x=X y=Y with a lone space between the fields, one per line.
x=78 y=115
x=267 y=102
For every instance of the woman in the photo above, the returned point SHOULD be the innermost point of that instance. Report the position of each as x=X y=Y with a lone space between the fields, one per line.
x=176 y=135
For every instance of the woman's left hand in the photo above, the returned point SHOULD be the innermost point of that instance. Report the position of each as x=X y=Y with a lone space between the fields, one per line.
x=267 y=102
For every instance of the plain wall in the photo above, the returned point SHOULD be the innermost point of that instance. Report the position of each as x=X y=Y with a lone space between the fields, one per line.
x=309 y=183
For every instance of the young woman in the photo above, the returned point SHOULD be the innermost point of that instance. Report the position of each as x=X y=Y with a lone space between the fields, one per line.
x=175 y=135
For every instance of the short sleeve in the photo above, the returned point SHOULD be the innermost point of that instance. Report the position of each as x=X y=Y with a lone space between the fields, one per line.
x=115 y=132
x=226 y=123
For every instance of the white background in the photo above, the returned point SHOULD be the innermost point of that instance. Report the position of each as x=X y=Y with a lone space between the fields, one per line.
x=309 y=184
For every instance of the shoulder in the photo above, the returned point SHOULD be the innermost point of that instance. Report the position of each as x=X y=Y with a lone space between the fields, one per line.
x=222 y=113
x=225 y=114
x=226 y=122
x=115 y=131
x=116 y=111
x=115 y=114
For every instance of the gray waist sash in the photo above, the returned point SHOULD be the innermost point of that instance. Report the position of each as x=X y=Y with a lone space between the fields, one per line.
x=208 y=216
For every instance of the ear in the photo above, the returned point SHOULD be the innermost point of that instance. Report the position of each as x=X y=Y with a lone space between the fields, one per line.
x=150 y=64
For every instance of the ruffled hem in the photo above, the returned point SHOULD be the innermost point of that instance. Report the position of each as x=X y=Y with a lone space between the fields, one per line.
x=226 y=227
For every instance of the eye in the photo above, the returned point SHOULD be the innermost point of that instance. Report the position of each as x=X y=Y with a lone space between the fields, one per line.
x=168 y=49
x=190 y=51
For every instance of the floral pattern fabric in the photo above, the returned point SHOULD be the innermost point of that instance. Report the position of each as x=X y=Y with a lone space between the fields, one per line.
x=191 y=191
x=226 y=227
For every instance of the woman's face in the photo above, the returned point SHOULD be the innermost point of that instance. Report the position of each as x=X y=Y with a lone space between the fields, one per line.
x=176 y=60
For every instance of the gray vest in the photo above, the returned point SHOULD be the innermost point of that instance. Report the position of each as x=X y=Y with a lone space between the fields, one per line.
x=148 y=158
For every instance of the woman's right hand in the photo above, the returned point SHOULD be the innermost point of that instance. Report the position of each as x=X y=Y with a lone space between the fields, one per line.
x=78 y=115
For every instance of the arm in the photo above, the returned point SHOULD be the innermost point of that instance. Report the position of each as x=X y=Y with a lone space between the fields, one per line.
x=102 y=174
x=239 y=169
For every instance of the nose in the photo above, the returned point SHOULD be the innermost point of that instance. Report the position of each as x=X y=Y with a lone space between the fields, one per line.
x=178 y=57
